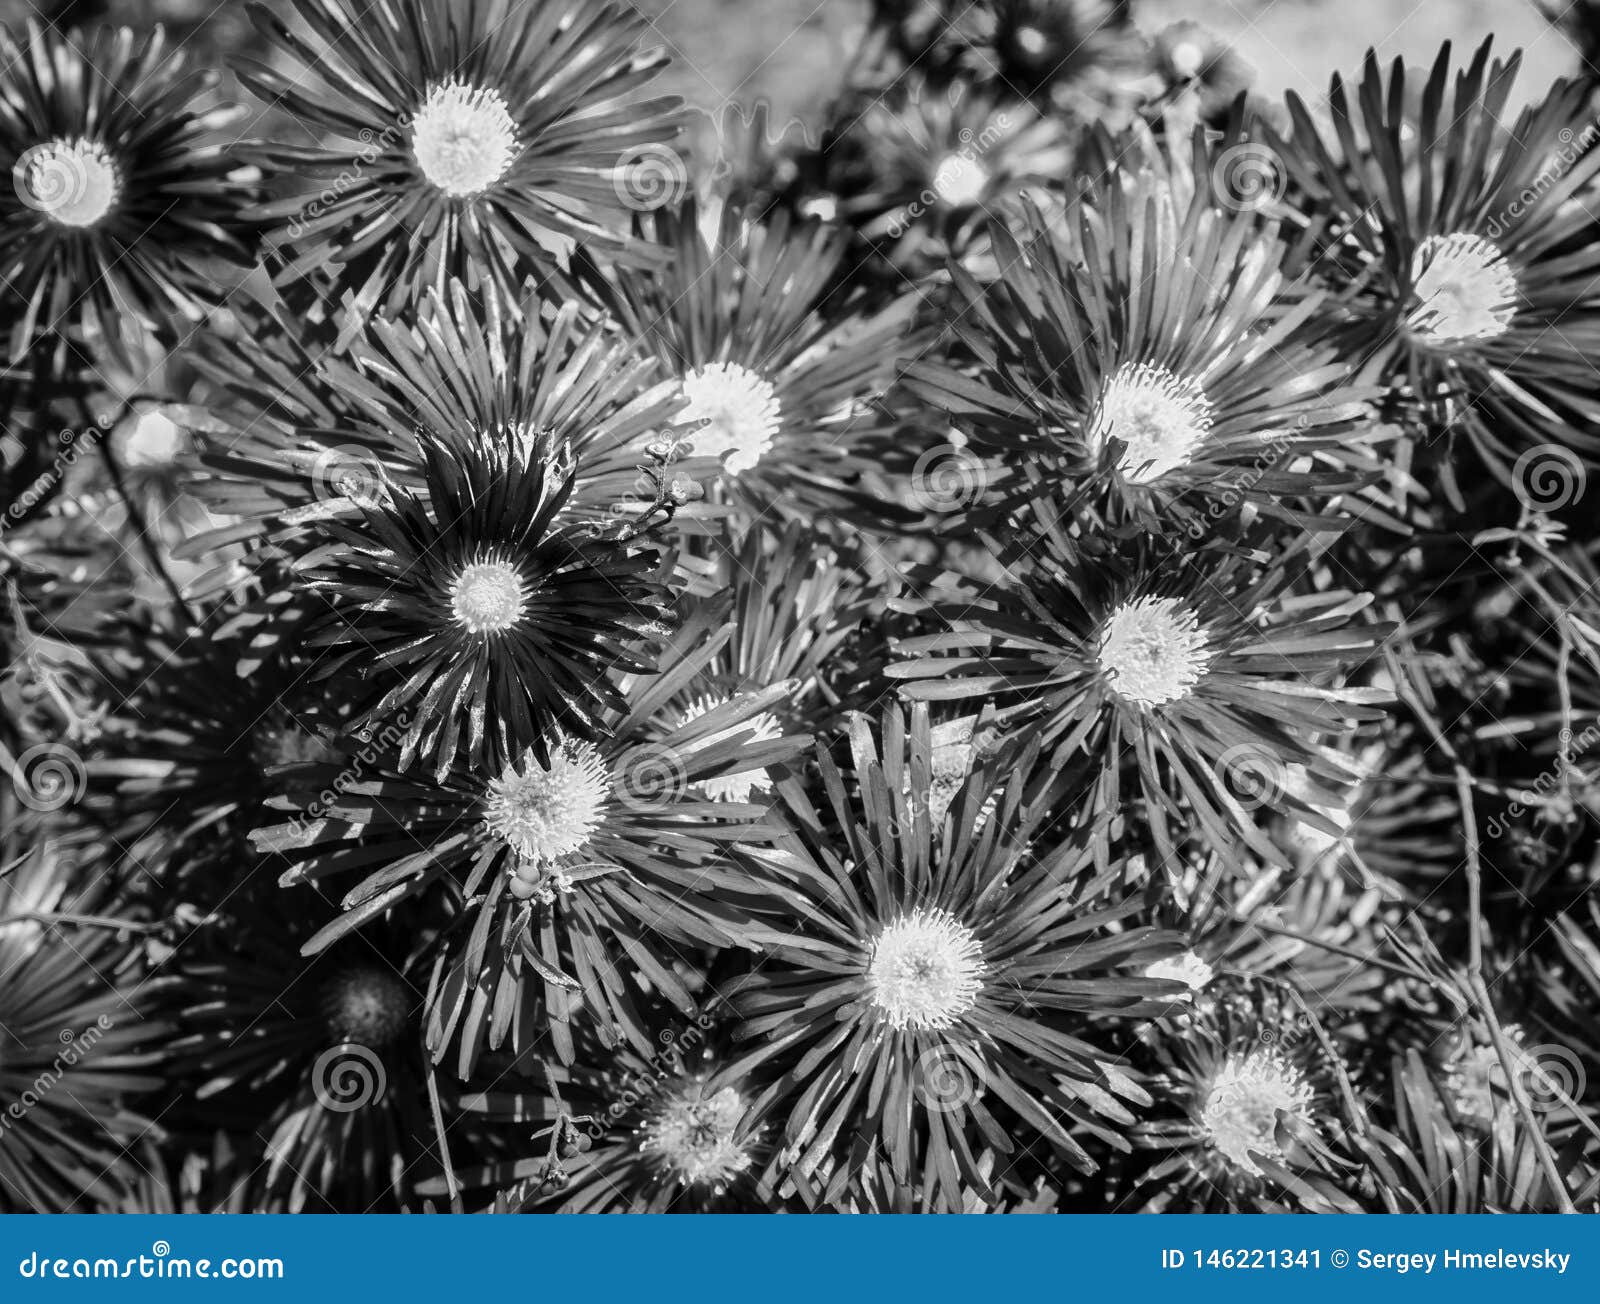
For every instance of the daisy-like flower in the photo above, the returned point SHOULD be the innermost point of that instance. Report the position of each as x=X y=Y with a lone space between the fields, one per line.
x=1456 y=243
x=119 y=200
x=197 y=727
x=294 y=433
x=322 y=1054
x=777 y=368
x=1256 y=1119
x=476 y=613
x=667 y=1130
x=916 y=169
x=1208 y=674
x=78 y=1037
x=576 y=874
x=1150 y=352
x=471 y=138
x=955 y=974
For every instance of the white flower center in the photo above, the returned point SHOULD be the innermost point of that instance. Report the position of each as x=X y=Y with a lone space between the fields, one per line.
x=695 y=1136
x=959 y=181
x=488 y=597
x=1476 y=1079
x=72 y=182
x=1186 y=57
x=1188 y=969
x=763 y=727
x=1160 y=417
x=1465 y=288
x=464 y=138
x=1032 y=41
x=543 y=814
x=367 y=1005
x=1242 y=1105
x=737 y=412
x=1153 y=651
x=925 y=969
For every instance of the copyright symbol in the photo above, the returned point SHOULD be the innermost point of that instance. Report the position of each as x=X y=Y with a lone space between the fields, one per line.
x=1339 y=1259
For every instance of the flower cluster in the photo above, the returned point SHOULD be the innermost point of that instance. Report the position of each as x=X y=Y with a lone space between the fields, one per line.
x=1035 y=647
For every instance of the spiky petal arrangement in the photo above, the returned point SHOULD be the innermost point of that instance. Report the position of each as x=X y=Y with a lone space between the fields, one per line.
x=120 y=201
x=484 y=139
x=957 y=973
x=480 y=621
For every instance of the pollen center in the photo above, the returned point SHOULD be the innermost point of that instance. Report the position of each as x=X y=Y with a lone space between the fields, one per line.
x=1153 y=651
x=464 y=138
x=368 y=1005
x=72 y=182
x=543 y=814
x=762 y=728
x=1465 y=289
x=737 y=412
x=1160 y=417
x=488 y=597
x=695 y=1136
x=959 y=181
x=925 y=970
x=1241 y=1108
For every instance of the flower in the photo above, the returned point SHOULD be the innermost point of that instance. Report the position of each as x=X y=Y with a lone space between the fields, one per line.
x=563 y=866
x=296 y=433
x=468 y=138
x=322 y=1054
x=79 y=1036
x=472 y=608
x=1148 y=357
x=957 y=973
x=665 y=1129
x=1252 y=1091
x=121 y=203
x=777 y=369
x=1206 y=672
x=1453 y=243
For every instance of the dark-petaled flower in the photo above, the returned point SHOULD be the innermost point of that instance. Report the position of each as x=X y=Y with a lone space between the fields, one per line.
x=1147 y=354
x=473 y=609
x=79 y=1035
x=1208 y=673
x=577 y=870
x=120 y=201
x=957 y=974
x=322 y=1054
x=293 y=434
x=470 y=138
x=778 y=368
x=1458 y=246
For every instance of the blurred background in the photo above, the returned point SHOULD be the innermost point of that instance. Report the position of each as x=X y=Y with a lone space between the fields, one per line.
x=788 y=53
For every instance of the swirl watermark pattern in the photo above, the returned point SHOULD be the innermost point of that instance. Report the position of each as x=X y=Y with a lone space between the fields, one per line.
x=1552 y=1076
x=649 y=776
x=947 y=1081
x=1252 y=775
x=650 y=177
x=1248 y=177
x=49 y=776
x=348 y=1077
x=1547 y=478
x=947 y=478
x=350 y=472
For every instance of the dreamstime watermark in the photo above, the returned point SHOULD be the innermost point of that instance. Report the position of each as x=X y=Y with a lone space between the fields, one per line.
x=48 y=777
x=649 y=776
x=650 y=176
x=947 y=478
x=1253 y=775
x=1273 y=454
x=75 y=1046
x=73 y=444
x=959 y=179
x=348 y=1077
x=374 y=745
x=1571 y=147
x=375 y=144
x=1551 y=781
x=1548 y=477
x=159 y=1264
x=948 y=1079
x=667 y=1062
x=1248 y=177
